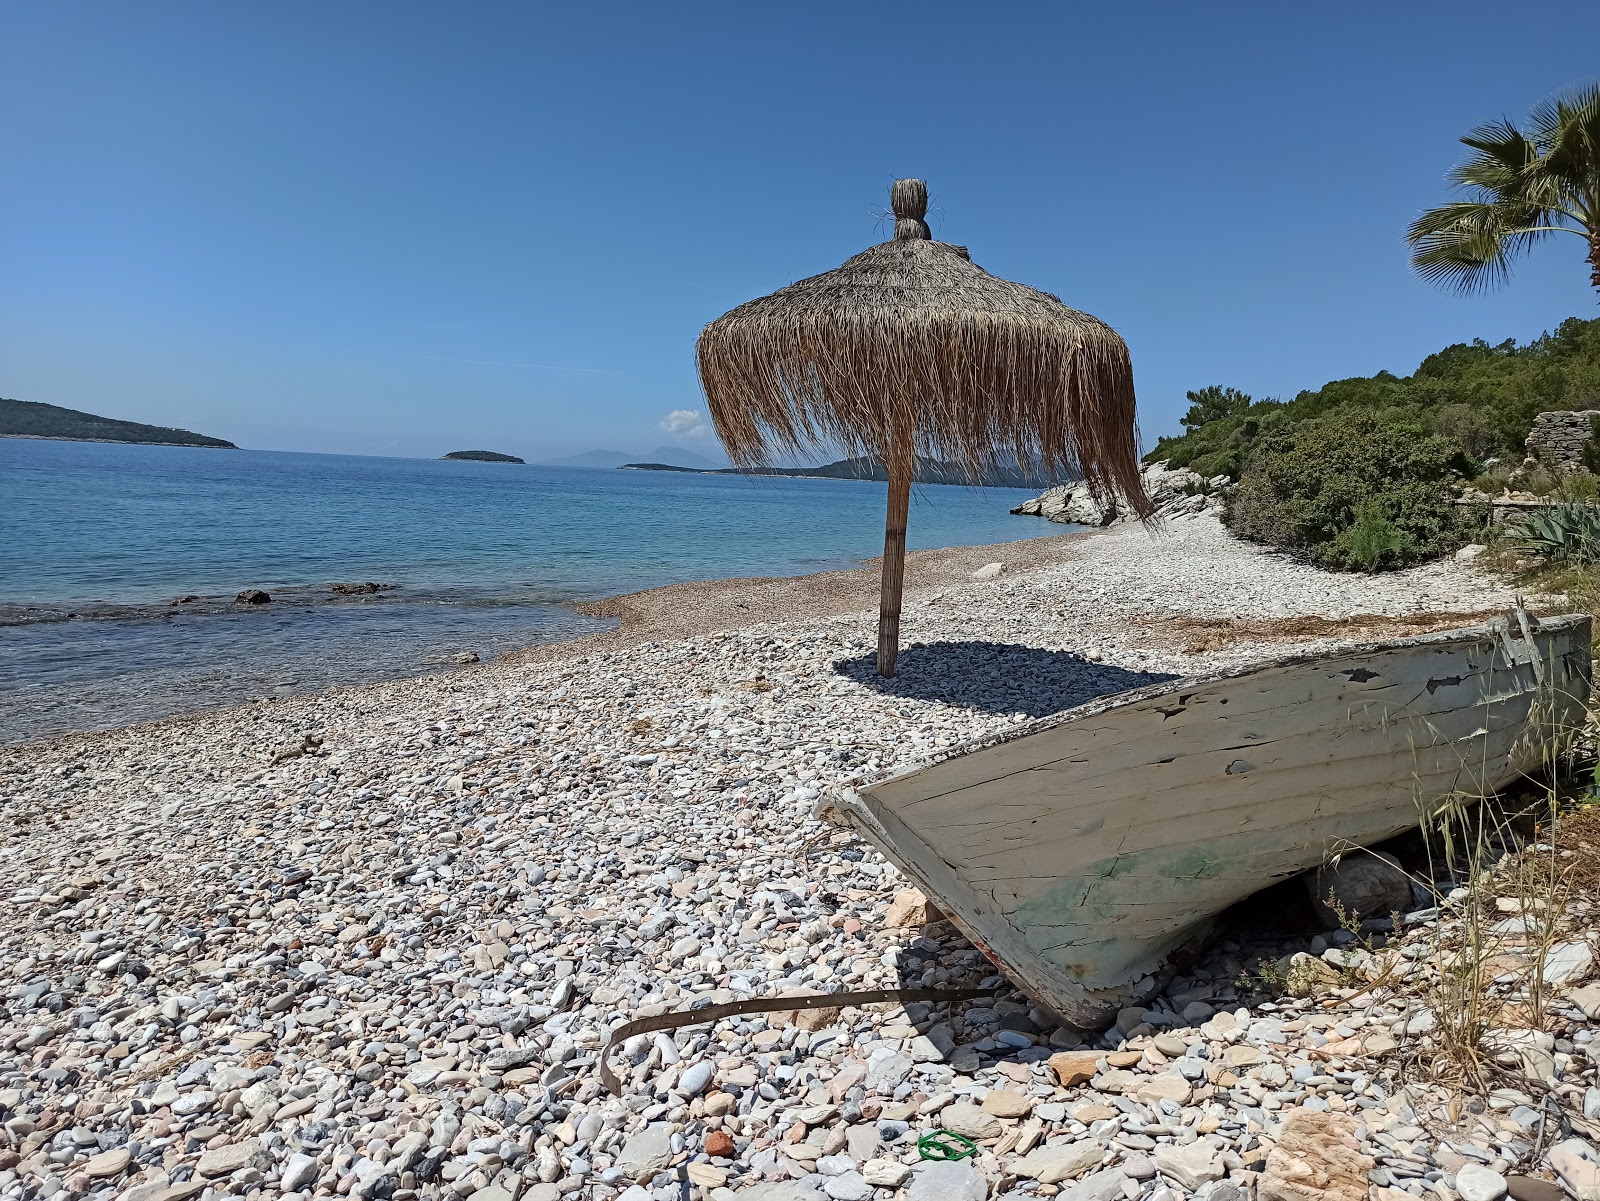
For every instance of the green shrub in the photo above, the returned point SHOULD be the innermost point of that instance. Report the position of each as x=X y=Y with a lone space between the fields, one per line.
x=1567 y=533
x=1354 y=491
x=1481 y=397
x=1373 y=540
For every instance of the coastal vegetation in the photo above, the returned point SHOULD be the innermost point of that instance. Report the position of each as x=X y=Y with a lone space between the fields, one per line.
x=482 y=456
x=33 y=419
x=1362 y=473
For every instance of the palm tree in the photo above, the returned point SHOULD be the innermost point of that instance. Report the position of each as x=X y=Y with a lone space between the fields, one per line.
x=1525 y=185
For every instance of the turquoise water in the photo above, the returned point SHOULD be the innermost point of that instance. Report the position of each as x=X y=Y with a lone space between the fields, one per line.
x=100 y=538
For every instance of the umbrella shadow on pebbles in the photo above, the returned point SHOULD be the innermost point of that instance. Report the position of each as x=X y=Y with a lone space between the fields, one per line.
x=997 y=677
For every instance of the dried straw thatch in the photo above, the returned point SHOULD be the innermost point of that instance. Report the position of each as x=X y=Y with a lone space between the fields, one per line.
x=911 y=349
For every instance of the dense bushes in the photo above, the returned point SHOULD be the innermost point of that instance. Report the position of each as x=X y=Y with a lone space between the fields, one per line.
x=1355 y=491
x=1358 y=474
x=1482 y=398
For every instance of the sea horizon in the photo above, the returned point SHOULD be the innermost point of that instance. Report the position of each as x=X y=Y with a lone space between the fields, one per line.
x=477 y=559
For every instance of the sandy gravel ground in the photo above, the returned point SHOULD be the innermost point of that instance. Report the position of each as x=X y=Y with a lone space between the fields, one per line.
x=370 y=942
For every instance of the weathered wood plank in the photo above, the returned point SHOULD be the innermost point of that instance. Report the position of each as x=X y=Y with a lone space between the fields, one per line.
x=1080 y=851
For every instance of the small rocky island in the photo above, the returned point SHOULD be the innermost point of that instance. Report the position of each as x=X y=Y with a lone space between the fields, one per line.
x=483 y=456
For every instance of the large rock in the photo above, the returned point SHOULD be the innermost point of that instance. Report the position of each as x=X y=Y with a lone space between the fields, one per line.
x=1364 y=883
x=1317 y=1158
x=1174 y=492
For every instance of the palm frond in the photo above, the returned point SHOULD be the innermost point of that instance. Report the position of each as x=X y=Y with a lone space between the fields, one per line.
x=1569 y=130
x=1521 y=185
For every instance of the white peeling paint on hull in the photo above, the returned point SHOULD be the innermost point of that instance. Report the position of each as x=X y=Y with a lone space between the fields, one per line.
x=1083 y=852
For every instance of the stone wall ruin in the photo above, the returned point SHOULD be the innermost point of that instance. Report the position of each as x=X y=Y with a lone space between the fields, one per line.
x=1557 y=439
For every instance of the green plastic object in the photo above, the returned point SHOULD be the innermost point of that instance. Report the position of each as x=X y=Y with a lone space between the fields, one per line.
x=945 y=1144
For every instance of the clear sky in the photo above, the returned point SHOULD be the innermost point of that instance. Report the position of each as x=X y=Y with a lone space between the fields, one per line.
x=406 y=228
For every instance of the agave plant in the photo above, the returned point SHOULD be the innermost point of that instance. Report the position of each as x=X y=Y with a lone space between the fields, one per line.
x=1564 y=533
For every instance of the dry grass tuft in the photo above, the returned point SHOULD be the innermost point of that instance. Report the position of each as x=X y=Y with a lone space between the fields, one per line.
x=1196 y=635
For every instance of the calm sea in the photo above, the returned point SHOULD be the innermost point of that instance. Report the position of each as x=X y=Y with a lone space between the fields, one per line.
x=483 y=556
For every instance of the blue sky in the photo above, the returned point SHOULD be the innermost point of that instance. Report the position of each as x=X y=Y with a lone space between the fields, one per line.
x=407 y=228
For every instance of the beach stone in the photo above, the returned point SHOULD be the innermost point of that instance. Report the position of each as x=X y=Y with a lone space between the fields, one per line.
x=988 y=571
x=885 y=1173
x=299 y=1172
x=1190 y=1164
x=951 y=1180
x=224 y=1161
x=1576 y=1162
x=1531 y=1188
x=1587 y=999
x=1007 y=1103
x=1101 y=1186
x=1139 y=1167
x=968 y=1120
x=695 y=1078
x=705 y=1175
x=847 y=1186
x=1073 y=1068
x=1365 y=883
x=782 y=1190
x=885 y=1073
x=649 y=1150
x=1566 y=962
x=1317 y=1158
x=1165 y=1087
x=1060 y=1161
x=108 y=1163
x=719 y=1143
x=910 y=908
x=1477 y=1183
x=1306 y=975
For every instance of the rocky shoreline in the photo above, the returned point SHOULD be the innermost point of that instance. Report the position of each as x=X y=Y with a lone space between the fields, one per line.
x=1173 y=492
x=370 y=942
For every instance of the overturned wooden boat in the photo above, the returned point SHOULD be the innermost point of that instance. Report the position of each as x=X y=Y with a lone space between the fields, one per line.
x=1086 y=853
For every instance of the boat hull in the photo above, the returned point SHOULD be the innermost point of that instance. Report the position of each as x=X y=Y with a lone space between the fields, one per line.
x=1087 y=853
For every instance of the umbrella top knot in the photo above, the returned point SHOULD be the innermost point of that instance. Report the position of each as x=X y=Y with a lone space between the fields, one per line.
x=909 y=199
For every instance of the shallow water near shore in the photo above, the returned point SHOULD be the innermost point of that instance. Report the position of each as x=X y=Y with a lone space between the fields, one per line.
x=102 y=538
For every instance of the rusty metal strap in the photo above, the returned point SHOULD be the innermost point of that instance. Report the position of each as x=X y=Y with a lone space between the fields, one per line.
x=715 y=1013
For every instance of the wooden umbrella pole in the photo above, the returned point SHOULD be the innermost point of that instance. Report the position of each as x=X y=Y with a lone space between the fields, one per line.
x=894 y=564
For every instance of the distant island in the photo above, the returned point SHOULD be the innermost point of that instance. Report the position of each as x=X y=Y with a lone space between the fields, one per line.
x=483 y=456
x=33 y=419
x=925 y=471
x=671 y=456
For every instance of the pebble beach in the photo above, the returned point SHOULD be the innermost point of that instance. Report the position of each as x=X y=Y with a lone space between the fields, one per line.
x=370 y=942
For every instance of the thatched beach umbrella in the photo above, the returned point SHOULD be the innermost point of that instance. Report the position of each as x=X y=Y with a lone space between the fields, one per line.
x=912 y=349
